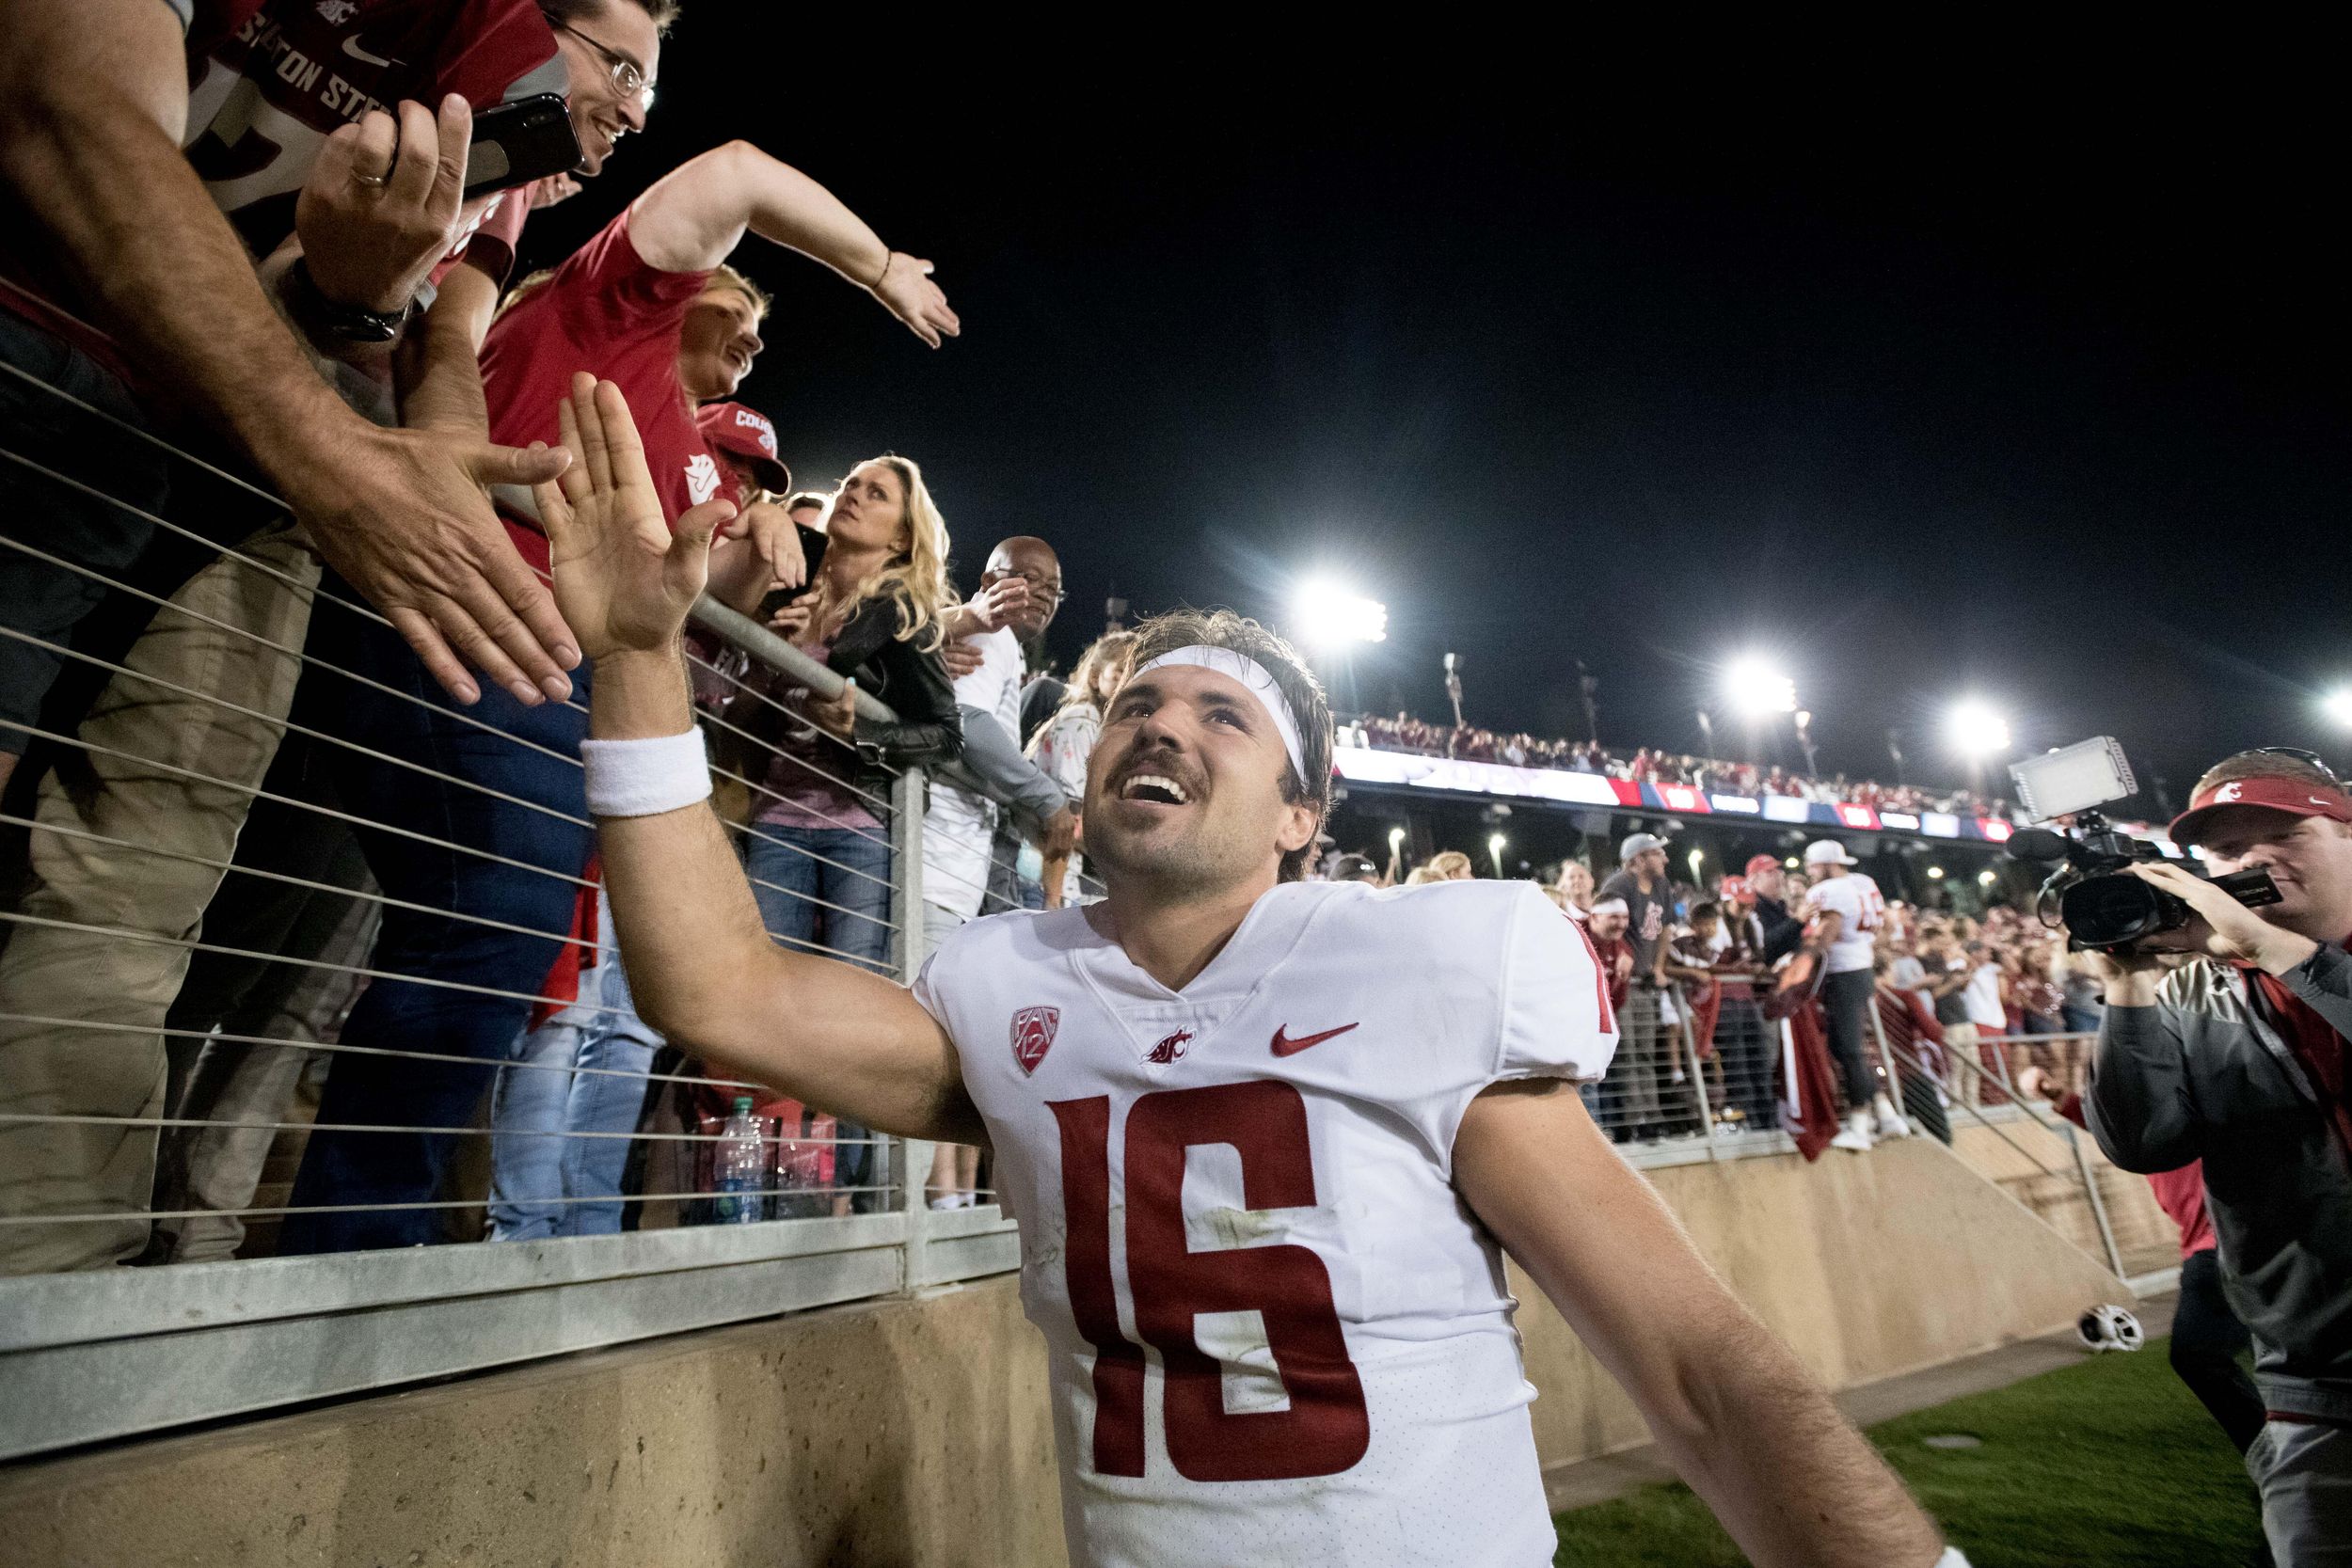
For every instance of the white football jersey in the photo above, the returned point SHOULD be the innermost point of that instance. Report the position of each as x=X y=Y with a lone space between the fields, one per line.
x=1857 y=900
x=1276 y=1335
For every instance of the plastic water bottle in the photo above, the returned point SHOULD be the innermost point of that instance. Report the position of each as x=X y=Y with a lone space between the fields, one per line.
x=738 y=1167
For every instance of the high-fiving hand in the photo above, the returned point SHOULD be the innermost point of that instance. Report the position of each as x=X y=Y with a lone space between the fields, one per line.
x=623 y=581
x=907 y=291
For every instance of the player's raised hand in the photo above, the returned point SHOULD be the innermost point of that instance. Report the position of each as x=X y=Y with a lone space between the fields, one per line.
x=623 y=581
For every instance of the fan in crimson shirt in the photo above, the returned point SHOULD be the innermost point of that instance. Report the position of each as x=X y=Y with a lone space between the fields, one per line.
x=650 y=305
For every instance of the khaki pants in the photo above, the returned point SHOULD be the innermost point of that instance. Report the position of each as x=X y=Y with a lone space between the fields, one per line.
x=1960 y=1043
x=168 y=768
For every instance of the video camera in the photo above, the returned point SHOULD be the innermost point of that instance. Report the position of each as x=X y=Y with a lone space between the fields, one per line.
x=2091 y=894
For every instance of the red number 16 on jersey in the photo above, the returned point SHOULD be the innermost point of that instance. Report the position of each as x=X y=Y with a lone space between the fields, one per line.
x=1327 y=1428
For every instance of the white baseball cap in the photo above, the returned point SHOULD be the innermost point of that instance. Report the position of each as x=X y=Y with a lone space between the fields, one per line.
x=1829 y=852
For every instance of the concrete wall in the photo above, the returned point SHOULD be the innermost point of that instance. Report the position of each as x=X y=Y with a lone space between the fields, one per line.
x=915 y=1432
x=1867 y=1265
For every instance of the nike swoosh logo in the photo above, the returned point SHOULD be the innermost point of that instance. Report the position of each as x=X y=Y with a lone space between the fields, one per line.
x=351 y=47
x=1285 y=1046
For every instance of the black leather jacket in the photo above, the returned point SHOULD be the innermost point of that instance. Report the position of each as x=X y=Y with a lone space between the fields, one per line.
x=910 y=678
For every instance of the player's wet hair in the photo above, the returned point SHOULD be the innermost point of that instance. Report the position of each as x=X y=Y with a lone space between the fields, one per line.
x=1222 y=628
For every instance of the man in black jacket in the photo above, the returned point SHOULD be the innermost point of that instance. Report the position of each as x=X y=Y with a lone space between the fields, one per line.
x=1783 y=931
x=2237 y=1057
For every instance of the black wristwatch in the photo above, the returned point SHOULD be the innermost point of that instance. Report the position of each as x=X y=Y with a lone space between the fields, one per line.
x=322 y=317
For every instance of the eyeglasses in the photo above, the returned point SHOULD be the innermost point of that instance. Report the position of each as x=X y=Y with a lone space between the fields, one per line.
x=628 y=77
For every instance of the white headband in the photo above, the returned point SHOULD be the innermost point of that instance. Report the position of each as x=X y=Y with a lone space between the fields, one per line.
x=1261 y=685
x=1610 y=906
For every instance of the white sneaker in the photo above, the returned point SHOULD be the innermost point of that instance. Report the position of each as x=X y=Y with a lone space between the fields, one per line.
x=1857 y=1135
x=1890 y=1121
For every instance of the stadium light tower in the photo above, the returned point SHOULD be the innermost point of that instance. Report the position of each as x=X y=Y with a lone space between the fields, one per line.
x=2337 y=705
x=1494 y=848
x=1330 y=616
x=1977 y=732
x=1757 y=690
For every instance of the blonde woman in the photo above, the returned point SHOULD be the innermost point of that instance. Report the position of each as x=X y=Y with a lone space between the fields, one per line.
x=1066 y=743
x=818 y=855
x=1449 y=865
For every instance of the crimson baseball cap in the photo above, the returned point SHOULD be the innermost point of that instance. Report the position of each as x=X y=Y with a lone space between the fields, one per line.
x=2295 y=797
x=1759 y=865
x=745 y=433
x=1734 y=887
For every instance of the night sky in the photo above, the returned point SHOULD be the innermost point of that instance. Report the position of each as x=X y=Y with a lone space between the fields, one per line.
x=1926 y=391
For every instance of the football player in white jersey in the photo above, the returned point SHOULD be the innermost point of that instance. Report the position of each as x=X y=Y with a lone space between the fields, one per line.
x=1263 y=1136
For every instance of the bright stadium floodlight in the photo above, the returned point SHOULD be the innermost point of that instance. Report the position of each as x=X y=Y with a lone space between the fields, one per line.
x=1985 y=878
x=2337 y=705
x=1696 y=856
x=1329 y=616
x=1977 y=730
x=1935 y=873
x=1494 y=848
x=1755 y=690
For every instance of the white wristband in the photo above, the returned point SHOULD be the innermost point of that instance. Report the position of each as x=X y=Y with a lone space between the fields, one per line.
x=645 y=778
x=1951 y=1559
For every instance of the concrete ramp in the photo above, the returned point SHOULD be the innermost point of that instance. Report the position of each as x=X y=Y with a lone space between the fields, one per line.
x=1868 y=1265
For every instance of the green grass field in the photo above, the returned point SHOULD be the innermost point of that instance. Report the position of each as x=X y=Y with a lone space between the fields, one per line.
x=2111 y=1462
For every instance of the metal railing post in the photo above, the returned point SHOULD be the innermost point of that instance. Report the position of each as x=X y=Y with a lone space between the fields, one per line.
x=910 y=1157
x=1886 y=1058
x=1698 y=1069
x=906 y=875
x=2098 y=1204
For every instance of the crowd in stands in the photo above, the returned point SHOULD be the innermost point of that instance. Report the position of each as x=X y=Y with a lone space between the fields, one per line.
x=1468 y=743
x=1966 y=1002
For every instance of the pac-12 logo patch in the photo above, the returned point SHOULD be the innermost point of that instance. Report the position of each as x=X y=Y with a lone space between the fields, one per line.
x=1033 y=1035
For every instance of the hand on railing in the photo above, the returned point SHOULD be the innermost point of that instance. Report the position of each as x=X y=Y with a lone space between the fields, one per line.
x=623 y=581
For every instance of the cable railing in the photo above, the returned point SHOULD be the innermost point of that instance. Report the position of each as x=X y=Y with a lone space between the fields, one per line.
x=118 y=1137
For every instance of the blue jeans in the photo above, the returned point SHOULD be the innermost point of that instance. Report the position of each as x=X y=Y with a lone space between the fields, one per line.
x=543 y=1182
x=784 y=880
x=385 y=1169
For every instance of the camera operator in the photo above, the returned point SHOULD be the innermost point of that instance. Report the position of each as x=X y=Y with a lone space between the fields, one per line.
x=2237 y=1056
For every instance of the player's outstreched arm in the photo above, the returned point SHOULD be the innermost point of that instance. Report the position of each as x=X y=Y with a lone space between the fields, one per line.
x=702 y=970
x=693 y=217
x=1744 y=1423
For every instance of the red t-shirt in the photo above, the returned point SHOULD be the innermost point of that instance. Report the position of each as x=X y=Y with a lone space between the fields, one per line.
x=606 y=312
x=283 y=76
x=271 y=80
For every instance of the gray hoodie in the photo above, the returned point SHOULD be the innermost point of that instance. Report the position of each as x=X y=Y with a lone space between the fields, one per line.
x=2204 y=1074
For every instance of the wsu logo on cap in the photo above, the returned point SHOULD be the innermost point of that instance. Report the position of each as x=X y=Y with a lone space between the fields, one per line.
x=1033 y=1035
x=2227 y=792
